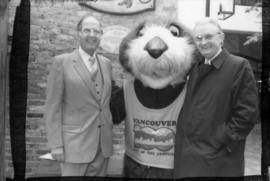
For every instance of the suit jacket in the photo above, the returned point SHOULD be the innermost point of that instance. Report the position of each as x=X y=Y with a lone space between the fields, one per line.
x=75 y=119
x=220 y=109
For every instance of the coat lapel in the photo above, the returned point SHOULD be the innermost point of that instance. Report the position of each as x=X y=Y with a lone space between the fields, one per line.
x=85 y=75
x=200 y=73
x=203 y=70
x=105 y=77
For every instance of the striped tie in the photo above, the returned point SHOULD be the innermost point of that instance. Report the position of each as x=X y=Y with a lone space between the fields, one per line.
x=94 y=71
x=92 y=60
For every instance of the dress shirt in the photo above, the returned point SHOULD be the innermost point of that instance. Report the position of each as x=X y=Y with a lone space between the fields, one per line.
x=85 y=57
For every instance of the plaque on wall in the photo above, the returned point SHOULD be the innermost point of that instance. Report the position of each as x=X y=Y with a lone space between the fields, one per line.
x=112 y=38
x=119 y=7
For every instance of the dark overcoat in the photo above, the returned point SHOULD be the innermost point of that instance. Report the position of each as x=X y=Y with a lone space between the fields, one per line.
x=220 y=109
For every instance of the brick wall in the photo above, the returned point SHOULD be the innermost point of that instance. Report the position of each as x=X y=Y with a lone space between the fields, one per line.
x=52 y=33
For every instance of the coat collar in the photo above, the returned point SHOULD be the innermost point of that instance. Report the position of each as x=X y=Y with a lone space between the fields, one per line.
x=219 y=60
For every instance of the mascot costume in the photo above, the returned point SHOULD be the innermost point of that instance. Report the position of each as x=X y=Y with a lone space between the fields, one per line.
x=158 y=55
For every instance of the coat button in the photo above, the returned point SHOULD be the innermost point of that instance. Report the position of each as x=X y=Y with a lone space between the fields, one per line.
x=99 y=126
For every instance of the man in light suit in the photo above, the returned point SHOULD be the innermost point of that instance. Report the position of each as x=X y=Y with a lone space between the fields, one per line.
x=78 y=117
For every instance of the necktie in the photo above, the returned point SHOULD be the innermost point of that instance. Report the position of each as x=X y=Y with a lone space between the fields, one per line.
x=92 y=60
x=93 y=69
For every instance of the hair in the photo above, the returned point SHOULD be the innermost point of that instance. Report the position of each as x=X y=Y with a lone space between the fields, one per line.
x=208 y=20
x=79 y=25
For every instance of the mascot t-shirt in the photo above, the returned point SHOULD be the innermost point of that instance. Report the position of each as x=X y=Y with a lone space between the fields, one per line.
x=150 y=133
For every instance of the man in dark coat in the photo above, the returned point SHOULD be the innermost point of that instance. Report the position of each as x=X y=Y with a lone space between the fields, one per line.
x=220 y=109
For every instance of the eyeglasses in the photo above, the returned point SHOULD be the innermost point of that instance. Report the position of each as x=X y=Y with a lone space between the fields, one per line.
x=206 y=37
x=93 y=31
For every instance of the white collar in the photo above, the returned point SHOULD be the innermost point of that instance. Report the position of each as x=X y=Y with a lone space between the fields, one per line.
x=85 y=58
x=210 y=60
x=84 y=55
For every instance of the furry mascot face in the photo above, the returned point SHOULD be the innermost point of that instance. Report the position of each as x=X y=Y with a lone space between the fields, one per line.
x=158 y=52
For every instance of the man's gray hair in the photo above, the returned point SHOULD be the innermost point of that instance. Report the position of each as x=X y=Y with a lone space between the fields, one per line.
x=208 y=20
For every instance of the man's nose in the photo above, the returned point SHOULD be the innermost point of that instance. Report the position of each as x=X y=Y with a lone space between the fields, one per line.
x=203 y=41
x=91 y=33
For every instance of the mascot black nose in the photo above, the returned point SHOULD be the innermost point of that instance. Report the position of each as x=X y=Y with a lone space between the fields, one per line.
x=155 y=47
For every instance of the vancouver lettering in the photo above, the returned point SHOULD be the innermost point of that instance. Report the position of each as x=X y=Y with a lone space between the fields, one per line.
x=154 y=123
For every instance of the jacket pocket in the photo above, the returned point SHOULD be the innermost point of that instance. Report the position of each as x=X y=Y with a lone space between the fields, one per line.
x=218 y=142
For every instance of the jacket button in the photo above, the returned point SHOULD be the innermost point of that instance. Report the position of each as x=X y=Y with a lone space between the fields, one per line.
x=99 y=126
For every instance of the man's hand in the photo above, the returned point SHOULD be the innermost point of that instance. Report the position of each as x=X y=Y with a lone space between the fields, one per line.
x=58 y=154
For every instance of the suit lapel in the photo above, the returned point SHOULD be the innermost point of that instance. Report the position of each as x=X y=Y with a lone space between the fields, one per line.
x=85 y=75
x=104 y=75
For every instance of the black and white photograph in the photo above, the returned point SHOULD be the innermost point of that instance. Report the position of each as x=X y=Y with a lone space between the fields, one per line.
x=134 y=89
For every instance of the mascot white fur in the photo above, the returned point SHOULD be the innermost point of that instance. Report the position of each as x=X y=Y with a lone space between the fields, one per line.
x=158 y=54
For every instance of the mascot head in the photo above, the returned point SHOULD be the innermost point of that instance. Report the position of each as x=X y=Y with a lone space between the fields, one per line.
x=159 y=52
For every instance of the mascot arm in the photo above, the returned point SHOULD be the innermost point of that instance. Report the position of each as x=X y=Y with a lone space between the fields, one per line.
x=117 y=104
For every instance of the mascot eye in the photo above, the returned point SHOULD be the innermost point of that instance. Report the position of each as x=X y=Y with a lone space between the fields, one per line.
x=140 y=30
x=175 y=30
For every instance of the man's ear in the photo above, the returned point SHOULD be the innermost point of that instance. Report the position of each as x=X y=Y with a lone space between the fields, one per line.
x=222 y=38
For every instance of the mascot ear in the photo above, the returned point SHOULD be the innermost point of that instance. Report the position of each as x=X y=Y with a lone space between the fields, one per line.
x=136 y=31
x=124 y=46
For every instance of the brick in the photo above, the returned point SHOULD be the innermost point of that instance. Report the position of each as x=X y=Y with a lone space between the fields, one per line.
x=41 y=152
x=36 y=109
x=36 y=139
x=43 y=56
x=34 y=115
x=118 y=141
x=118 y=136
x=36 y=95
x=118 y=130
